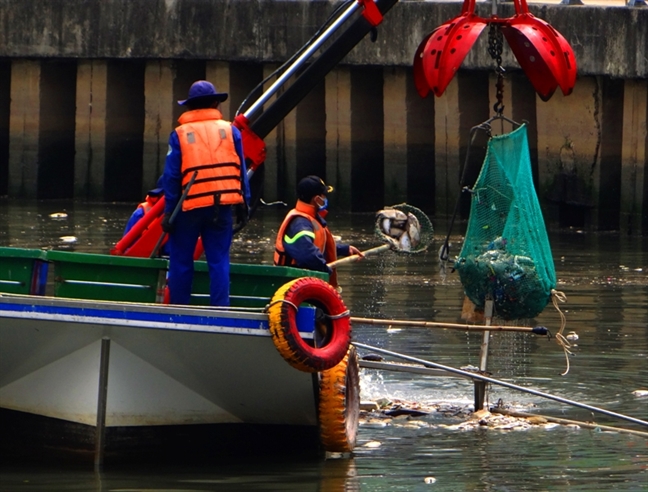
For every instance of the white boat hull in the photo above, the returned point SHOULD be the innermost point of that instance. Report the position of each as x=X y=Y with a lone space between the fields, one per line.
x=167 y=366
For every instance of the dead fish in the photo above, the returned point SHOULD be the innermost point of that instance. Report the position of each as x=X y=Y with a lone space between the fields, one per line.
x=386 y=225
x=392 y=213
x=640 y=393
x=58 y=216
x=396 y=232
x=413 y=229
x=404 y=243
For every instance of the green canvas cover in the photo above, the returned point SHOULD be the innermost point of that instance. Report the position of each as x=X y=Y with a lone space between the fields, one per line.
x=506 y=253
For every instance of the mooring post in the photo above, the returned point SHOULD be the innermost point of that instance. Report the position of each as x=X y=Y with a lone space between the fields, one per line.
x=102 y=398
x=480 y=386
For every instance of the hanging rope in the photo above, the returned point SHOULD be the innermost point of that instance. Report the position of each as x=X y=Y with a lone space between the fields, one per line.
x=557 y=296
x=343 y=314
x=277 y=301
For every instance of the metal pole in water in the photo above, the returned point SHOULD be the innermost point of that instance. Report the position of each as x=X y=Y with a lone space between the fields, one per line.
x=480 y=386
x=473 y=375
x=102 y=398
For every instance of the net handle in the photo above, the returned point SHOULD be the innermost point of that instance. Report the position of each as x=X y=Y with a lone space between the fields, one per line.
x=349 y=259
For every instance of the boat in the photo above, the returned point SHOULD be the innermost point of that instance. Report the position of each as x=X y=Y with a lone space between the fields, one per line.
x=94 y=365
x=93 y=362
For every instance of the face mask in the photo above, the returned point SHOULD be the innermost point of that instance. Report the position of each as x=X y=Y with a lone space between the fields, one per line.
x=324 y=204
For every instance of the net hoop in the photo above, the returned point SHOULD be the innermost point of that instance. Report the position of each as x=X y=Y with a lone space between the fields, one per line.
x=426 y=229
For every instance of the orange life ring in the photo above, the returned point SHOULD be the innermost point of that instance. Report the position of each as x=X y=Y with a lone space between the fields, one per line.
x=333 y=334
x=339 y=404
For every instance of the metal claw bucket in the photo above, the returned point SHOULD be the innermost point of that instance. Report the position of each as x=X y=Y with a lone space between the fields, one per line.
x=543 y=53
x=441 y=52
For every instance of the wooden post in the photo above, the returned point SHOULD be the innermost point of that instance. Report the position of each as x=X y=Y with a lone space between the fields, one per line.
x=102 y=398
x=480 y=386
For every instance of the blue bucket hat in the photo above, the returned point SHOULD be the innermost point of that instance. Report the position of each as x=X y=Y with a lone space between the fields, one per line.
x=203 y=89
x=156 y=192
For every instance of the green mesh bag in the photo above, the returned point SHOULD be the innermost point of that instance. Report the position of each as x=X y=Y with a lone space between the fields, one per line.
x=506 y=253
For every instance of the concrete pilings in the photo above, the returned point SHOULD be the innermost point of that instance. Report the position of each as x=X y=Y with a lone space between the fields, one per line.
x=88 y=95
x=98 y=130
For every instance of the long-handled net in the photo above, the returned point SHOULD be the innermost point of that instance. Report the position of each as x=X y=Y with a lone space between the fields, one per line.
x=405 y=228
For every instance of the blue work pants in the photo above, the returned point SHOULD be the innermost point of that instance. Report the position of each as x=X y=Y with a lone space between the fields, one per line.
x=214 y=225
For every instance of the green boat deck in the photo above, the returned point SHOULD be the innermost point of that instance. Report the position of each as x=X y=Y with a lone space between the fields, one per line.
x=23 y=271
x=122 y=278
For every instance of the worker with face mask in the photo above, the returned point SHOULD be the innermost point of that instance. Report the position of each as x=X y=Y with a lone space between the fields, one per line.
x=304 y=240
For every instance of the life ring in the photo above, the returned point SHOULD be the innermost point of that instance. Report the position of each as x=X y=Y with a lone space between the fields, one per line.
x=339 y=404
x=333 y=334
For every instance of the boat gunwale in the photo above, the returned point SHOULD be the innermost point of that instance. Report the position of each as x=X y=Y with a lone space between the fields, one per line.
x=206 y=319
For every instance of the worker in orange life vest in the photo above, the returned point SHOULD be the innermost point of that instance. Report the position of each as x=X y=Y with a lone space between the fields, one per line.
x=304 y=239
x=205 y=143
x=152 y=197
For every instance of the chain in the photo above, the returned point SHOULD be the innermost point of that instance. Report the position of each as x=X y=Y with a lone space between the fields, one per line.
x=495 y=47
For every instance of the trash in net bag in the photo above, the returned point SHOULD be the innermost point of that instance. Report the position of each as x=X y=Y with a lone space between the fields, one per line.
x=506 y=253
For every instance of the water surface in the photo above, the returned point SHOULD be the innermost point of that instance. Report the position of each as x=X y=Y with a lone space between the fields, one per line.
x=605 y=280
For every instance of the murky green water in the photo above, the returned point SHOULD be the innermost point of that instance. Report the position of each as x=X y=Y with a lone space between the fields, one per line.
x=605 y=279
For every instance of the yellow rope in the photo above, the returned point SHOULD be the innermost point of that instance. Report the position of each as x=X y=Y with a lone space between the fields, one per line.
x=343 y=314
x=557 y=296
x=276 y=301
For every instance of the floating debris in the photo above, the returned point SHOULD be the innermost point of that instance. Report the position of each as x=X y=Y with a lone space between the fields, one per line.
x=58 y=216
x=640 y=393
x=415 y=416
x=572 y=336
x=372 y=444
x=429 y=480
x=368 y=406
x=375 y=423
x=67 y=242
x=68 y=239
x=373 y=357
x=396 y=412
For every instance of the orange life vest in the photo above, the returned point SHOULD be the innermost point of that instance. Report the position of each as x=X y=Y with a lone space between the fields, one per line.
x=207 y=146
x=323 y=240
x=145 y=206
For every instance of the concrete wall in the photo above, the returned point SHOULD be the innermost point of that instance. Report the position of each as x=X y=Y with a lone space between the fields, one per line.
x=606 y=40
x=104 y=78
